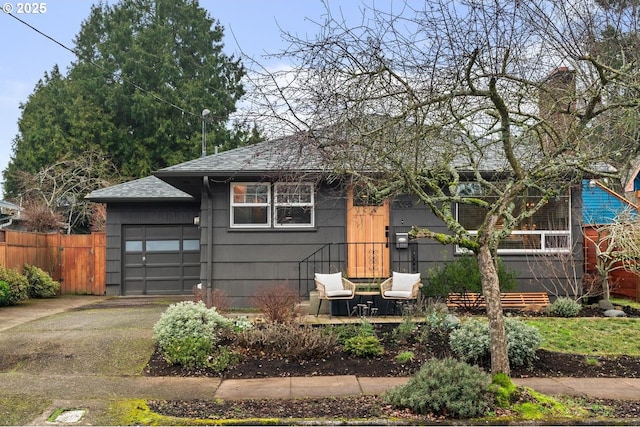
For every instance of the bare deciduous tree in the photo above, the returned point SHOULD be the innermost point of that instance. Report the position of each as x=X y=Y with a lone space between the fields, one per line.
x=61 y=187
x=617 y=247
x=421 y=98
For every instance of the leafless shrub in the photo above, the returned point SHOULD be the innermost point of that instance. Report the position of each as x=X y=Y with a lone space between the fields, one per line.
x=617 y=248
x=559 y=275
x=98 y=222
x=290 y=340
x=219 y=298
x=591 y=285
x=279 y=303
x=37 y=217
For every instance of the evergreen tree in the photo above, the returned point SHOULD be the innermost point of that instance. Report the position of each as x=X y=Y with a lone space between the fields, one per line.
x=145 y=71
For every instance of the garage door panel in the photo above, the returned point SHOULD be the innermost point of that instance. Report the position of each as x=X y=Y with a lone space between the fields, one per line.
x=134 y=287
x=162 y=232
x=163 y=271
x=134 y=273
x=160 y=259
x=192 y=271
x=132 y=232
x=164 y=258
x=163 y=287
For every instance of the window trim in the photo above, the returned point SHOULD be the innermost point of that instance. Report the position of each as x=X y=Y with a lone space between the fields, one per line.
x=542 y=233
x=271 y=206
x=234 y=204
x=311 y=205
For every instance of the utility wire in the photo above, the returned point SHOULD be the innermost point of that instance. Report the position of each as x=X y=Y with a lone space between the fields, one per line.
x=123 y=79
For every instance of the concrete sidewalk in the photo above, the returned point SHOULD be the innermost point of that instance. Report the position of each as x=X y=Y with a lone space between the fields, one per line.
x=78 y=387
x=96 y=391
x=93 y=394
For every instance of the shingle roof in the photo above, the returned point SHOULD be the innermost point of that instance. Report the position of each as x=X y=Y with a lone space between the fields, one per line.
x=8 y=205
x=144 y=189
x=285 y=154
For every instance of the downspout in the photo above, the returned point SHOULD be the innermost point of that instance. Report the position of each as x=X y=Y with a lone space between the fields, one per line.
x=209 y=251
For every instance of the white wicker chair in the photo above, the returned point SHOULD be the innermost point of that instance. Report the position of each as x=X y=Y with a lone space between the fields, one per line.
x=400 y=287
x=334 y=287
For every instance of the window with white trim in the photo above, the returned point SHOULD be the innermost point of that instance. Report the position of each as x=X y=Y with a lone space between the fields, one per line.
x=250 y=205
x=546 y=231
x=253 y=207
x=293 y=205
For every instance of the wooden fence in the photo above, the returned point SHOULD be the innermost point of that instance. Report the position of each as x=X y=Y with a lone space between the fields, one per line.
x=622 y=282
x=77 y=261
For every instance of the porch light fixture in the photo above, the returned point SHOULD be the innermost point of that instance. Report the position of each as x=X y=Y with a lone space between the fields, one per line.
x=205 y=113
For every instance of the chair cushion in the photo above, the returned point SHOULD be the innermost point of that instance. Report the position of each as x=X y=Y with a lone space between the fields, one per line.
x=339 y=293
x=331 y=282
x=404 y=281
x=398 y=294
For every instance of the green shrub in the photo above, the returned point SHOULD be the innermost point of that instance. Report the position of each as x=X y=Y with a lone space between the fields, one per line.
x=187 y=330
x=287 y=340
x=564 y=307
x=222 y=358
x=343 y=332
x=445 y=387
x=5 y=293
x=190 y=352
x=405 y=356
x=404 y=331
x=364 y=346
x=463 y=275
x=522 y=342
x=18 y=285
x=41 y=285
x=471 y=342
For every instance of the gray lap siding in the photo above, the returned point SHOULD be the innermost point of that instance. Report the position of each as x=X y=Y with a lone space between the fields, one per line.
x=245 y=260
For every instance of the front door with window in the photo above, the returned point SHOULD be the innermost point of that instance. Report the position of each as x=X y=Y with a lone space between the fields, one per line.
x=367 y=248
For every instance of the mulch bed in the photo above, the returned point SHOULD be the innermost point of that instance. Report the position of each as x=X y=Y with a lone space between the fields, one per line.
x=548 y=364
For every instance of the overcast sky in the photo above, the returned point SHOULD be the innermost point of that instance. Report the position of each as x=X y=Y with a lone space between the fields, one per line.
x=250 y=25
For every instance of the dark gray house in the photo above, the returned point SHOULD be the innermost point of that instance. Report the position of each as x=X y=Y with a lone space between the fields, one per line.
x=267 y=214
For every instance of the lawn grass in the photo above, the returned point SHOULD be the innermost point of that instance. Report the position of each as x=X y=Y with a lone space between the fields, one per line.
x=625 y=301
x=589 y=336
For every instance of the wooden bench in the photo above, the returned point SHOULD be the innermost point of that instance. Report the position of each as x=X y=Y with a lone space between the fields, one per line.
x=508 y=300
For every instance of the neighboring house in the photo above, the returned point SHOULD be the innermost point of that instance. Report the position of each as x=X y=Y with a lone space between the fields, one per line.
x=266 y=214
x=8 y=212
x=600 y=206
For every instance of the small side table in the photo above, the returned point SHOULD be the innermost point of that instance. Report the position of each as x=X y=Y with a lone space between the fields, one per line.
x=368 y=309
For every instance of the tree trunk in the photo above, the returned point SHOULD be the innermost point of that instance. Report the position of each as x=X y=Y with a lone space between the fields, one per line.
x=491 y=291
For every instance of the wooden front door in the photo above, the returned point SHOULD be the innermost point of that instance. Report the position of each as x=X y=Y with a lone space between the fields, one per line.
x=367 y=248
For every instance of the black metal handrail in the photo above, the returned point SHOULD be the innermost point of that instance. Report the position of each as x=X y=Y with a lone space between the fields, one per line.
x=333 y=258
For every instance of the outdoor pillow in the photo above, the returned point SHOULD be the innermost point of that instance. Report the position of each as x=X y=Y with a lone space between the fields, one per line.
x=403 y=282
x=339 y=293
x=398 y=294
x=332 y=282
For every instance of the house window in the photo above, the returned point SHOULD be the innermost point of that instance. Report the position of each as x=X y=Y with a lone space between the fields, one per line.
x=253 y=207
x=250 y=205
x=547 y=231
x=293 y=205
